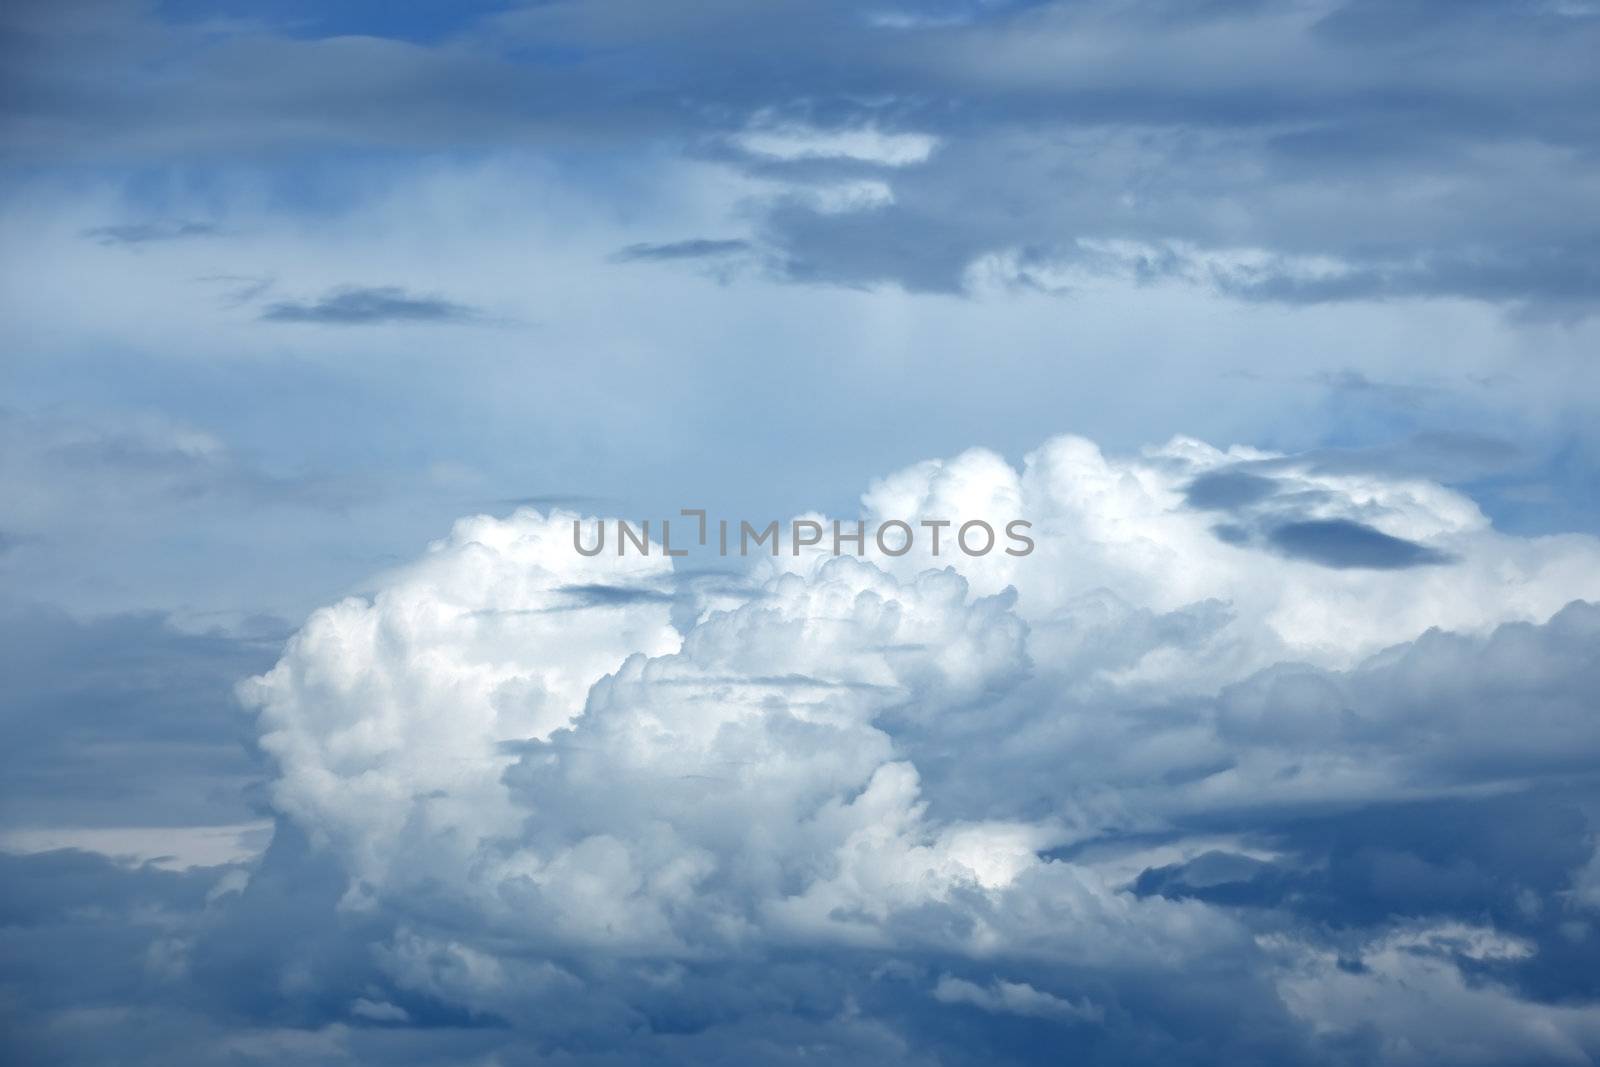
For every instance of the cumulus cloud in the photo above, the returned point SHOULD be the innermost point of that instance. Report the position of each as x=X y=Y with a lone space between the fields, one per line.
x=1121 y=796
x=391 y=717
x=1397 y=980
x=1129 y=528
x=1262 y=756
x=1027 y=787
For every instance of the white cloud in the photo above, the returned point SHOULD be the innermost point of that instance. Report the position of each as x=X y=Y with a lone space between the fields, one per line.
x=1411 y=993
x=867 y=144
x=175 y=848
x=1120 y=524
x=1014 y=998
x=884 y=756
x=388 y=716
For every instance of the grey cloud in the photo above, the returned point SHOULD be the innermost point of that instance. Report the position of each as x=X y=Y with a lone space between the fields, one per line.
x=1309 y=135
x=1352 y=381
x=357 y=306
x=275 y=970
x=1268 y=505
x=693 y=249
x=124 y=721
x=52 y=465
x=1343 y=543
x=1462 y=708
x=1560 y=282
x=146 y=232
x=1450 y=456
x=1228 y=490
x=596 y=595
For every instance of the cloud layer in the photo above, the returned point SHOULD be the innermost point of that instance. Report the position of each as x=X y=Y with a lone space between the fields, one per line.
x=1316 y=152
x=892 y=809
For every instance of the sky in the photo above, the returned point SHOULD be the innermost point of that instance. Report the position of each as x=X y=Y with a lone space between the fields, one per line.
x=323 y=324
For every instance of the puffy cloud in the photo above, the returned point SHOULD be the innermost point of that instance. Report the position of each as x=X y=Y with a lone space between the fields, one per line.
x=390 y=718
x=1110 y=797
x=1406 y=997
x=540 y=795
x=1316 y=563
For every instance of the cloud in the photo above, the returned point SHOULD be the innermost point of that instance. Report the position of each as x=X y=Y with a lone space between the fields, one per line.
x=1227 y=490
x=89 y=490
x=356 y=306
x=699 y=248
x=1264 y=756
x=1049 y=139
x=1343 y=543
x=865 y=144
x=1014 y=998
x=958 y=772
x=600 y=594
x=51 y=462
x=1141 y=790
x=122 y=723
x=139 y=233
x=481 y=603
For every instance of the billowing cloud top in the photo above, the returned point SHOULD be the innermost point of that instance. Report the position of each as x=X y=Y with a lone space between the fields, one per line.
x=1029 y=790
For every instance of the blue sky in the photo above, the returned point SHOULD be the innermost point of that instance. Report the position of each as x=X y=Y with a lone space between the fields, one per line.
x=322 y=322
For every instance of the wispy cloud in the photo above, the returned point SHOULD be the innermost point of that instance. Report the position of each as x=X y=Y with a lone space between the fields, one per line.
x=140 y=233
x=698 y=248
x=358 y=306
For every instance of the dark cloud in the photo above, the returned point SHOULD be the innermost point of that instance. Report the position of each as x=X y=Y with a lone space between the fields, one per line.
x=1269 y=504
x=146 y=232
x=597 y=595
x=356 y=306
x=693 y=249
x=1506 y=860
x=1339 y=141
x=124 y=721
x=210 y=966
x=1343 y=543
x=1228 y=490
